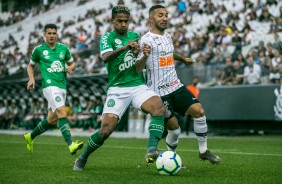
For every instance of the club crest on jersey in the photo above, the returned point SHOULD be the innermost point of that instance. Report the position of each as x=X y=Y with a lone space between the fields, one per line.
x=45 y=52
x=111 y=103
x=62 y=55
x=118 y=41
x=129 y=61
x=56 y=67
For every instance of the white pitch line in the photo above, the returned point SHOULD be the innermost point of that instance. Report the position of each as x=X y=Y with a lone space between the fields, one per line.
x=227 y=151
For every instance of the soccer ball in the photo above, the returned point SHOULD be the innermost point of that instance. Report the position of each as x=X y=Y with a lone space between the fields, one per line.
x=168 y=163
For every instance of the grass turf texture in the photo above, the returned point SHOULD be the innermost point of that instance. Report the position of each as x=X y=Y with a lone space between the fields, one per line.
x=255 y=159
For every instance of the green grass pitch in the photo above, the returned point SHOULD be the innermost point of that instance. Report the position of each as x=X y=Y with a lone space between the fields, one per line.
x=246 y=159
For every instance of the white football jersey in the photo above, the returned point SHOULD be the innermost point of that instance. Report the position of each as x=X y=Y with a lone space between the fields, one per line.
x=161 y=75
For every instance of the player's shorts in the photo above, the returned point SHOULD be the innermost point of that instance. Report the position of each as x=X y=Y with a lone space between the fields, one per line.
x=55 y=96
x=119 y=98
x=178 y=101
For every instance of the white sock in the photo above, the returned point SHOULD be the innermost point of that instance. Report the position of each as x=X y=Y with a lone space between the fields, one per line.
x=201 y=129
x=172 y=138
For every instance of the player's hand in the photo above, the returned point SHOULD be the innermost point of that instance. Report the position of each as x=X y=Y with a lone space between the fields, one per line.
x=30 y=84
x=188 y=61
x=132 y=44
x=146 y=49
x=70 y=69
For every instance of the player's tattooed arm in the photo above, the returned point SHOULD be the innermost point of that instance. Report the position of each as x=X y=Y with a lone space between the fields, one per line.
x=182 y=59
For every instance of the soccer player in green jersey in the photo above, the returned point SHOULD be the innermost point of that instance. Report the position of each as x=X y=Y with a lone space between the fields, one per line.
x=51 y=58
x=119 y=49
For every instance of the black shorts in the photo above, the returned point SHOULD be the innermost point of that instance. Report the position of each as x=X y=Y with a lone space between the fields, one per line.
x=178 y=101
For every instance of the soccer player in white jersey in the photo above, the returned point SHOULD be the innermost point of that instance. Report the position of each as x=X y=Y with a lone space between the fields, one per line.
x=162 y=78
x=51 y=58
x=119 y=50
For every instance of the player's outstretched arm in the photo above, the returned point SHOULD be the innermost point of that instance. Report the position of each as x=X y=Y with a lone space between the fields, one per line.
x=182 y=59
x=140 y=63
x=30 y=73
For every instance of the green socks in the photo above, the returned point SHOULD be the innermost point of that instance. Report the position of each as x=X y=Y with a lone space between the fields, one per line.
x=156 y=129
x=42 y=127
x=65 y=129
x=94 y=142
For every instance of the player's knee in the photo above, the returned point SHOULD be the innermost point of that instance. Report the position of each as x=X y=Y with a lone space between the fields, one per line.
x=196 y=110
x=61 y=112
x=108 y=125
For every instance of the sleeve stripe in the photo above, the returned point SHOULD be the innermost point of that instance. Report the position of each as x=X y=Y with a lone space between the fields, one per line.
x=107 y=50
x=32 y=62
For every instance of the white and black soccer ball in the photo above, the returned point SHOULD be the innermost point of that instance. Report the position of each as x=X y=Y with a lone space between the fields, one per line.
x=168 y=163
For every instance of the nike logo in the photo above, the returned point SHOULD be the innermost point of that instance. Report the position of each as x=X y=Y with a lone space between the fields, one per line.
x=194 y=98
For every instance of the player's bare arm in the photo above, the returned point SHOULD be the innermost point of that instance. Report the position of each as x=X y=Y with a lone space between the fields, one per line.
x=108 y=56
x=140 y=64
x=70 y=67
x=30 y=72
x=182 y=59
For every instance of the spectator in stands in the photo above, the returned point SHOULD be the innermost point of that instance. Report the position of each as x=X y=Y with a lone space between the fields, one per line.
x=275 y=68
x=265 y=16
x=228 y=75
x=264 y=65
x=252 y=72
x=54 y=56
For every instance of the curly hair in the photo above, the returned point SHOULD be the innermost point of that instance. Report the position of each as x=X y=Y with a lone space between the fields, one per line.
x=120 y=9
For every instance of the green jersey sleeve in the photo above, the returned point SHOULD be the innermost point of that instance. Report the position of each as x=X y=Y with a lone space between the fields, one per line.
x=68 y=57
x=35 y=56
x=106 y=44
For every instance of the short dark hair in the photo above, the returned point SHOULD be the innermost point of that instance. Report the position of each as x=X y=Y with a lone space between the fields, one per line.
x=155 y=7
x=120 y=9
x=50 y=26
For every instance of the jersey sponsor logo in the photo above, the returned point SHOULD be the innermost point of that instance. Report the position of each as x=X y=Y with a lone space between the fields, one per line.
x=129 y=61
x=48 y=81
x=166 y=61
x=111 y=103
x=56 y=67
x=118 y=41
x=167 y=85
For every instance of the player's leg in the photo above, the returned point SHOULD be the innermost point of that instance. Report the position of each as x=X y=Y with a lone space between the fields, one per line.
x=56 y=100
x=173 y=128
x=96 y=140
x=42 y=127
x=114 y=108
x=45 y=124
x=173 y=132
x=201 y=130
x=148 y=101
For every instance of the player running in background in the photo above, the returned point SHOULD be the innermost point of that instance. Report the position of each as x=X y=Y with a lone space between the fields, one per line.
x=119 y=50
x=51 y=58
x=162 y=78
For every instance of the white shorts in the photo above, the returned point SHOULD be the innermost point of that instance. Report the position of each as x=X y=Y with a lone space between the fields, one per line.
x=55 y=96
x=118 y=99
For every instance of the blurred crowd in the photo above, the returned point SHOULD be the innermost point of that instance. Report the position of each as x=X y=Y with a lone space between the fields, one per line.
x=217 y=46
x=81 y=116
